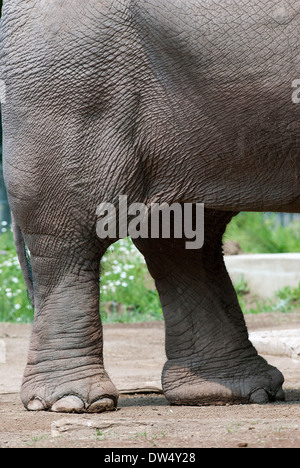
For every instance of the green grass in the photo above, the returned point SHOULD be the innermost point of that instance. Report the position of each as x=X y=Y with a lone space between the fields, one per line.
x=286 y=300
x=258 y=233
x=127 y=291
x=14 y=303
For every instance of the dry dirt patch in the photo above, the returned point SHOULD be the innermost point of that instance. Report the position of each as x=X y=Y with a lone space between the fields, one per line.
x=134 y=356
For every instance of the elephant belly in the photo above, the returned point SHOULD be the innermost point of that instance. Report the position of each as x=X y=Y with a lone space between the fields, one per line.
x=238 y=154
x=223 y=110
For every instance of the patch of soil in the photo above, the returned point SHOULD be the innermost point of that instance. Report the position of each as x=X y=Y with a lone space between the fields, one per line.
x=134 y=356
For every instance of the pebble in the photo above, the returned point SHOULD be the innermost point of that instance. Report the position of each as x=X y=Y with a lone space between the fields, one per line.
x=2 y=352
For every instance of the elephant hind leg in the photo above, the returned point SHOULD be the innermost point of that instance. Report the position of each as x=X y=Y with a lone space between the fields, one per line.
x=210 y=358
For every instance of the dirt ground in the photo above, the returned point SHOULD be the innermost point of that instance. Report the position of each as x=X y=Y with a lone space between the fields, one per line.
x=134 y=356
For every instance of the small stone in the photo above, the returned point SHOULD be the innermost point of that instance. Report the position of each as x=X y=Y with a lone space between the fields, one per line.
x=71 y=425
x=2 y=352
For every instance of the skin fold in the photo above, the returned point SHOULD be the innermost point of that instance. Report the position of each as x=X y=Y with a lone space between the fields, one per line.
x=163 y=101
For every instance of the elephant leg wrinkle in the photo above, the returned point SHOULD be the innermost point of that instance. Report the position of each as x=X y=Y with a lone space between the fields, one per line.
x=210 y=358
x=65 y=371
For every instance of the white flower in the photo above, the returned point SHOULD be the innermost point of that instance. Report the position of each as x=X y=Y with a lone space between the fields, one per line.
x=124 y=284
x=4 y=223
x=18 y=306
x=123 y=275
x=117 y=269
x=15 y=280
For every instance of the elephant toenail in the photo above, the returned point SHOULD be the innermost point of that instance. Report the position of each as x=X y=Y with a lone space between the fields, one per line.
x=280 y=395
x=68 y=404
x=35 y=405
x=99 y=406
x=260 y=397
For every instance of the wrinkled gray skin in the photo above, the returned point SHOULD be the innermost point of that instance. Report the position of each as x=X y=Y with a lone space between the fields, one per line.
x=162 y=100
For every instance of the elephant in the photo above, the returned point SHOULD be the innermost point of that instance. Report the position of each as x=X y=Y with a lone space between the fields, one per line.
x=163 y=102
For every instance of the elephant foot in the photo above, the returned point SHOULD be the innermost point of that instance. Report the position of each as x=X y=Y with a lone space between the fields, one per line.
x=94 y=393
x=202 y=384
x=73 y=404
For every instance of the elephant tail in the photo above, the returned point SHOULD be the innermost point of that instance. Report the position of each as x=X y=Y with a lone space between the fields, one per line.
x=23 y=258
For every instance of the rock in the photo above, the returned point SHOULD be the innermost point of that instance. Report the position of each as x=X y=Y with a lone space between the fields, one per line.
x=2 y=352
x=265 y=274
x=81 y=425
x=69 y=425
x=277 y=342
